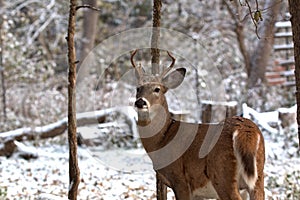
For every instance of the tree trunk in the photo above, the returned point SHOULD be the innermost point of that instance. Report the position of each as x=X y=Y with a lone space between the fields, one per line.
x=294 y=6
x=89 y=26
x=161 y=188
x=155 y=36
x=260 y=57
x=3 y=88
x=74 y=172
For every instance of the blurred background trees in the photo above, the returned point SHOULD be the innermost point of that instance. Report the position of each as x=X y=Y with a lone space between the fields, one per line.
x=34 y=63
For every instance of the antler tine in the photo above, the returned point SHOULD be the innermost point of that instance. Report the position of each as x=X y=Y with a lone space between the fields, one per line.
x=170 y=67
x=139 y=67
x=131 y=58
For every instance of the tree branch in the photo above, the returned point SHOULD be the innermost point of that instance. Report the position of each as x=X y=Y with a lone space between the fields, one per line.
x=252 y=18
x=155 y=36
x=239 y=31
x=88 y=6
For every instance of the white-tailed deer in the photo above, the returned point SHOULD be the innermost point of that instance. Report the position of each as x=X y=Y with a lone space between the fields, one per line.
x=235 y=163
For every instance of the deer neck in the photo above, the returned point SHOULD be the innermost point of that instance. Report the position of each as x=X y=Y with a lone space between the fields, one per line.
x=153 y=127
x=156 y=115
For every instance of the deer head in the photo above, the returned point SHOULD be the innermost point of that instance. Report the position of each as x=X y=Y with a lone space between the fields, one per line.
x=151 y=89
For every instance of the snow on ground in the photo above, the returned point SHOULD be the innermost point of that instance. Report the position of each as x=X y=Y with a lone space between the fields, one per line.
x=47 y=176
x=282 y=168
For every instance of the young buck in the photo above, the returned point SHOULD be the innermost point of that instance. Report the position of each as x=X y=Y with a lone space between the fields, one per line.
x=235 y=163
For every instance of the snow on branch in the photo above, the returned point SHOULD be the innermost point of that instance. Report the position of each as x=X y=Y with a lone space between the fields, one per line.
x=263 y=119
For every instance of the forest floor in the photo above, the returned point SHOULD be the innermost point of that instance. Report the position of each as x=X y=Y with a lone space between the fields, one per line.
x=47 y=176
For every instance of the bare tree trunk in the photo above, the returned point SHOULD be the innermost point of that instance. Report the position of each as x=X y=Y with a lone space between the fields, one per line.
x=294 y=6
x=74 y=172
x=260 y=57
x=90 y=18
x=155 y=36
x=2 y=67
x=161 y=188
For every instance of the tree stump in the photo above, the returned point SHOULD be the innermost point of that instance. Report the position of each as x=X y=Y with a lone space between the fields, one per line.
x=214 y=112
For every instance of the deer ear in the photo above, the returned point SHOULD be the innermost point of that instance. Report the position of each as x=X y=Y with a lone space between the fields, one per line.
x=174 y=79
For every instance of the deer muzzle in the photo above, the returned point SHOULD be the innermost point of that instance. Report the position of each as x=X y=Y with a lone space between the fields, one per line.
x=141 y=103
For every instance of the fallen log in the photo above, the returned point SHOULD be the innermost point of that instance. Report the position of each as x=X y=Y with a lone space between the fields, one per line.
x=8 y=146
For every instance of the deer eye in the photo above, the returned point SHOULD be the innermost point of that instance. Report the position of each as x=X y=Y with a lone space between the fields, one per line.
x=157 y=90
x=138 y=90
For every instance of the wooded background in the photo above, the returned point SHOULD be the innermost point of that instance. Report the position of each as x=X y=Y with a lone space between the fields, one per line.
x=33 y=62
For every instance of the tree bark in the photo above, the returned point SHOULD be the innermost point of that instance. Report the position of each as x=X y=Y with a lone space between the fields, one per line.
x=155 y=36
x=90 y=18
x=3 y=87
x=294 y=6
x=161 y=188
x=74 y=171
x=260 y=57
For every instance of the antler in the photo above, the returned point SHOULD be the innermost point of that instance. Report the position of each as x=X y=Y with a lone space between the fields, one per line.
x=139 y=68
x=131 y=58
x=170 y=67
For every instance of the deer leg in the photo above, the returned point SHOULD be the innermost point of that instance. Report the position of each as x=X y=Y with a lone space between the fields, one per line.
x=182 y=191
x=226 y=186
x=227 y=193
x=258 y=192
x=244 y=194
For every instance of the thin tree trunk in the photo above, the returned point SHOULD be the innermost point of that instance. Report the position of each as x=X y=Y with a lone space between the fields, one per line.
x=2 y=68
x=74 y=172
x=155 y=36
x=89 y=34
x=294 y=6
x=161 y=188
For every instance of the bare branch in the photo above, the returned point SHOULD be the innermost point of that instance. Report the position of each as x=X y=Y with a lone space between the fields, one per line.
x=256 y=15
x=252 y=18
x=88 y=6
x=231 y=11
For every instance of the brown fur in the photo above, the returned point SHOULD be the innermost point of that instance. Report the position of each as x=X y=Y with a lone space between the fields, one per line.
x=189 y=172
x=235 y=162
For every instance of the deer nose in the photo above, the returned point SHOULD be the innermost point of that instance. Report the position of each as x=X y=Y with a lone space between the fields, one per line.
x=140 y=103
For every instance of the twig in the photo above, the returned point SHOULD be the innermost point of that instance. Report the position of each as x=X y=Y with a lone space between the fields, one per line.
x=87 y=6
x=253 y=20
x=257 y=11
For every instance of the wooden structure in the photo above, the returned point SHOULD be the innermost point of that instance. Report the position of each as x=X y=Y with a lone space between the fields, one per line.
x=282 y=70
x=213 y=112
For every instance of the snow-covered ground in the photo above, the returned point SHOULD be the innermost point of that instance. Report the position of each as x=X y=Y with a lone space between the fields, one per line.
x=47 y=176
